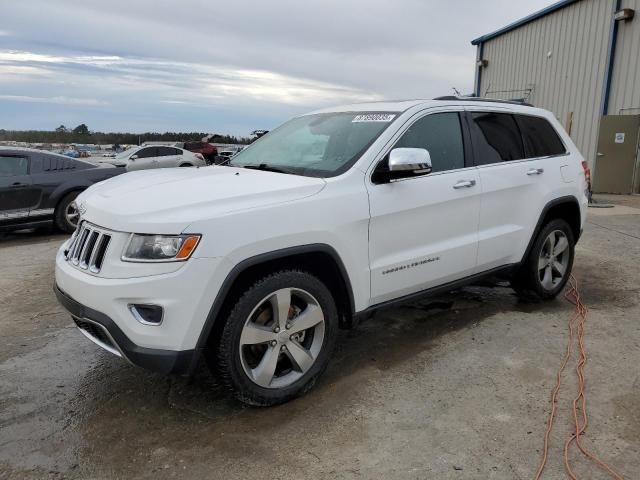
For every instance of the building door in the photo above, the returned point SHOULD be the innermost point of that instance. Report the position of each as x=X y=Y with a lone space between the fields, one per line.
x=617 y=157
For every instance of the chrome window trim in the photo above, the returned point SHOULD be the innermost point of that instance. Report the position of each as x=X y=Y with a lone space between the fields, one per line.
x=521 y=160
x=428 y=175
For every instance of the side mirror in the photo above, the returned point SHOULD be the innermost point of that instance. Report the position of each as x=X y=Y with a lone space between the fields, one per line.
x=408 y=162
x=133 y=157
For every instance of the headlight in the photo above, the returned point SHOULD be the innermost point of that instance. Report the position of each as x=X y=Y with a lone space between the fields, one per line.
x=159 y=248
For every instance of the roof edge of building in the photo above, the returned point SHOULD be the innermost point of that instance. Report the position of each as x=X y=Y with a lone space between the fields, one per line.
x=523 y=21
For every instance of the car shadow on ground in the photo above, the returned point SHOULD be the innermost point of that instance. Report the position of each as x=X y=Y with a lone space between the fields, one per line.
x=388 y=339
x=111 y=400
x=31 y=236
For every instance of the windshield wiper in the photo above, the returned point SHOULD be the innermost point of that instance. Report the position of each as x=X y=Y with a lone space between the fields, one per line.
x=267 y=168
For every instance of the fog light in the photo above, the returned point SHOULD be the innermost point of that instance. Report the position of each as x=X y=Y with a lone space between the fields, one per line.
x=147 y=314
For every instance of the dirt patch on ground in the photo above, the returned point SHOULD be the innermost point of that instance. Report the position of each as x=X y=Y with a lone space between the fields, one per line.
x=453 y=388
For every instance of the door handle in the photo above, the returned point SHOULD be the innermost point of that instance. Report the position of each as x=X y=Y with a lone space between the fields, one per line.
x=599 y=154
x=536 y=171
x=15 y=185
x=464 y=184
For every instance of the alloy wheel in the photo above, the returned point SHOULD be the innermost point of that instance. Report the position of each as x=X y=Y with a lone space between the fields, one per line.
x=72 y=214
x=282 y=338
x=553 y=259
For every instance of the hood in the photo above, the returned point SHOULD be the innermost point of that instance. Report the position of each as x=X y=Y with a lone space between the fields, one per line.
x=167 y=200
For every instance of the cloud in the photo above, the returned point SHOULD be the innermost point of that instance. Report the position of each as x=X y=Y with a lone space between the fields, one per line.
x=57 y=100
x=183 y=81
x=242 y=65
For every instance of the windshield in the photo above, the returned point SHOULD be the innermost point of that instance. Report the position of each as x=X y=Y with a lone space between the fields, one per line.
x=127 y=152
x=322 y=145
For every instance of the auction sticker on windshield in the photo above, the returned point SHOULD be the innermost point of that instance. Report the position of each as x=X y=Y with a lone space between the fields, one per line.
x=374 y=117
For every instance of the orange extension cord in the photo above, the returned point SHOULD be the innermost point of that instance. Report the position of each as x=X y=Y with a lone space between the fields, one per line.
x=579 y=404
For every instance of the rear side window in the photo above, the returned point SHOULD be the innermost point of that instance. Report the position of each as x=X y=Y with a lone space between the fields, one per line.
x=166 y=151
x=52 y=163
x=147 y=152
x=441 y=134
x=496 y=138
x=13 y=166
x=540 y=138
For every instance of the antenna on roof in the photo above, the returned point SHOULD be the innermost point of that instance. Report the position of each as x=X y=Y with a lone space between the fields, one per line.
x=456 y=91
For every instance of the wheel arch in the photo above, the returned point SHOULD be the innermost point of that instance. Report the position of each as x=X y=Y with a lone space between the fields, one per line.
x=566 y=208
x=321 y=260
x=63 y=191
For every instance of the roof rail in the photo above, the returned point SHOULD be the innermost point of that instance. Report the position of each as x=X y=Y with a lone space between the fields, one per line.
x=481 y=99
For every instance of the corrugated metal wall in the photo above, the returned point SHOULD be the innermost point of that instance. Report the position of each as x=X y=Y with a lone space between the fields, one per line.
x=625 y=85
x=570 y=79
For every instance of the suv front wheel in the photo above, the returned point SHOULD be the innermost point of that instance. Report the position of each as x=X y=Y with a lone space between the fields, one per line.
x=278 y=338
x=546 y=270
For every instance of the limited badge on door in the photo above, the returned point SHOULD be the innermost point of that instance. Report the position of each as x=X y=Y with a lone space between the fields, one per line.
x=619 y=138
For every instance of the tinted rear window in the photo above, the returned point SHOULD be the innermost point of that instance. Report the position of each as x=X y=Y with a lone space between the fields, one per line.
x=496 y=138
x=166 y=151
x=540 y=138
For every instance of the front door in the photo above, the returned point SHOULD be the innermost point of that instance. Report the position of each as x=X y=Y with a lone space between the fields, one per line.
x=17 y=194
x=617 y=155
x=423 y=230
x=145 y=158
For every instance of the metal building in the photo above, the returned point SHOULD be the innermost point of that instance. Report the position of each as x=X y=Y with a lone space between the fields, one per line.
x=581 y=60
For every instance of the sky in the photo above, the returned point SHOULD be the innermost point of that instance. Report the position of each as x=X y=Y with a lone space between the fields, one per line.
x=230 y=67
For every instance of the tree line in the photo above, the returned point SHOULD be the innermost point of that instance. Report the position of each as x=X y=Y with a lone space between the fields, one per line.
x=81 y=134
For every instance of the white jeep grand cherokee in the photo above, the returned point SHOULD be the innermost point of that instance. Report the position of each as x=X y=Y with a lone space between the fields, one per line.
x=326 y=219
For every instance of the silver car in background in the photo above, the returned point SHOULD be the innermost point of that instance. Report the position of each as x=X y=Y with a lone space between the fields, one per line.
x=155 y=156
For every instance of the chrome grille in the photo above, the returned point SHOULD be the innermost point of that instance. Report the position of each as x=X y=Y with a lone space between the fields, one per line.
x=88 y=247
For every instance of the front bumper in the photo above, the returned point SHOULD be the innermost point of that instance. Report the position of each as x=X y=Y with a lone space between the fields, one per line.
x=100 y=308
x=100 y=329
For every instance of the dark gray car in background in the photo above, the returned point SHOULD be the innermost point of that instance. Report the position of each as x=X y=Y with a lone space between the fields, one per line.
x=38 y=188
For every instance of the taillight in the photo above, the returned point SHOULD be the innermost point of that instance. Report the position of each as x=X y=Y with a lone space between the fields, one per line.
x=587 y=172
x=198 y=155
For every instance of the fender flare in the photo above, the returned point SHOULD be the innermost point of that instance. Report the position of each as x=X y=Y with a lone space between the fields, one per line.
x=65 y=188
x=239 y=268
x=568 y=199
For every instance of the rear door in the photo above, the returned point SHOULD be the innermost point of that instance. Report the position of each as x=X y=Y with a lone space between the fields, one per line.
x=516 y=183
x=423 y=230
x=167 y=157
x=17 y=195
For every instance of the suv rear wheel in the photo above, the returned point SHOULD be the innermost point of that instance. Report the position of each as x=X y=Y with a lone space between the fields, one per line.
x=546 y=270
x=278 y=338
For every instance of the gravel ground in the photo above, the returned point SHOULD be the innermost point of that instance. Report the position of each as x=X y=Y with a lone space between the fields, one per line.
x=453 y=388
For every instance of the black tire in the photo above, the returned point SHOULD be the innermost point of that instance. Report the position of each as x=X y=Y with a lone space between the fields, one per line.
x=527 y=281
x=228 y=361
x=60 y=218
